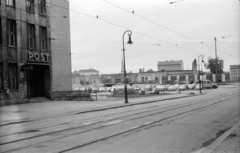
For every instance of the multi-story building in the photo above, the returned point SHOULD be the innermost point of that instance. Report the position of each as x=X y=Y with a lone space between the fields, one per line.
x=170 y=65
x=87 y=77
x=234 y=72
x=35 y=56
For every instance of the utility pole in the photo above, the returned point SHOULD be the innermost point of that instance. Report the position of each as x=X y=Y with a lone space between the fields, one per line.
x=216 y=60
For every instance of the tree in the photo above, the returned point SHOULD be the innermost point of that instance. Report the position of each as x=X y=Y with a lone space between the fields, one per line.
x=150 y=70
x=212 y=65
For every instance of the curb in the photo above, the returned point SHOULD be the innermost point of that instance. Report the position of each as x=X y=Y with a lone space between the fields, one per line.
x=131 y=104
x=220 y=139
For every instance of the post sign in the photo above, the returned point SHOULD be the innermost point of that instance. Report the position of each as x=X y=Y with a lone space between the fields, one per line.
x=38 y=57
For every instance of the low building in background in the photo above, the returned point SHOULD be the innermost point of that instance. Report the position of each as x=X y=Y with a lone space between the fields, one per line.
x=234 y=72
x=89 y=72
x=170 y=65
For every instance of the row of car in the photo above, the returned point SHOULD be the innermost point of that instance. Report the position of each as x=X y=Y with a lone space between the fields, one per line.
x=204 y=84
x=96 y=90
x=153 y=88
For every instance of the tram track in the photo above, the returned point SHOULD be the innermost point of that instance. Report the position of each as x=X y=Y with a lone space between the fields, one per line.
x=145 y=125
x=100 y=124
x=172 y=107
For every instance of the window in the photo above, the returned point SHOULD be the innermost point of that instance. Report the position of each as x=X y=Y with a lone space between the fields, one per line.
x=12 y=75
x=31 y=36
x=11 y=33
x=1 y=74
x=43 y=38
x=10 y=3
x=42 y=7
x=30 y=5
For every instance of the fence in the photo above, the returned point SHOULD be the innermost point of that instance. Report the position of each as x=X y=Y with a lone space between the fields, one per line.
x=71 y=95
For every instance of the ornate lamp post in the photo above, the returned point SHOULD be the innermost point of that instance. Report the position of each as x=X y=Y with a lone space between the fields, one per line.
x=199 y=72
x=124 y=63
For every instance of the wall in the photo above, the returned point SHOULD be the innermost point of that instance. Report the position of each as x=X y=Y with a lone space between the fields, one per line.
x=60 y=45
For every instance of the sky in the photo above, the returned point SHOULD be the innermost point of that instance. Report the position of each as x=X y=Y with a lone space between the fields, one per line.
x=161 y=31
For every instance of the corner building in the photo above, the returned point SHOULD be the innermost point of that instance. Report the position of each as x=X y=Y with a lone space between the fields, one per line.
x=35 y=54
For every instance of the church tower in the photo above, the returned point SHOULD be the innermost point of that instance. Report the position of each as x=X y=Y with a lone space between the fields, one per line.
x=194 y=67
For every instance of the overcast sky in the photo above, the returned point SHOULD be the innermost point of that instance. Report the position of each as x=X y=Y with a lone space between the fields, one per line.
x=160 y=31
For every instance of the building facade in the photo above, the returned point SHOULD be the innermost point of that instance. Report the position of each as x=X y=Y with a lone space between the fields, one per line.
x=31 y=61
x=234 y=72
x=170 y=65
x=89 y=72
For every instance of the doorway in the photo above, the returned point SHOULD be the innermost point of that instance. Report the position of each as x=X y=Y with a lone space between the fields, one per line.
x=39 y=79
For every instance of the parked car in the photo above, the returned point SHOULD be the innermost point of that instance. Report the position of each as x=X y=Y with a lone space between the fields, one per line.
x=191 y=86
x=102 y=89
x=197 y=87
x=136 y=88
x=94 y=90
x=84 y=89
x=182 y=87
x=148 y=87
x=167 y=86
x=172 y=87
x=161 y=88
x=108 y=89
x=207 y=84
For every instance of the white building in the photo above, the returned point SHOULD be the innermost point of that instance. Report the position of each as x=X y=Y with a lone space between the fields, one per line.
x=234 y=72
x=89 y=72
x=170 y=65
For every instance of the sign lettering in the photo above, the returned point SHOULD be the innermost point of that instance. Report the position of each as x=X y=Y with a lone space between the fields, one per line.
x=38 y=57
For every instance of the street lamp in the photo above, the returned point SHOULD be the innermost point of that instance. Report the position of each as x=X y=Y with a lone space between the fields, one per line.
x=199 y=72
x=215 y=39
x=124 y=63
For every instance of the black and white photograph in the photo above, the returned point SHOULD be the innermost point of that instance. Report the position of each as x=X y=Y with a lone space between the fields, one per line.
x=119 y=76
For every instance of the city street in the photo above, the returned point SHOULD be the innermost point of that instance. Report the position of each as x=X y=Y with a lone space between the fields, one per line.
x=180 y=124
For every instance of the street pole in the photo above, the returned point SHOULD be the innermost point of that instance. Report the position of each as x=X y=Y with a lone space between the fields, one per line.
x=199 y=73
x=124 y=64
x=215 y=39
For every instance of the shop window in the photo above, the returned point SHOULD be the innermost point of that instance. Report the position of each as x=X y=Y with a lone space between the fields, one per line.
x=10 y=3
x=42 y=7
x=31 y=36
x=1 y=74
x=11 y=33
x=30 y=5
x=43 y=38
x=12 y=75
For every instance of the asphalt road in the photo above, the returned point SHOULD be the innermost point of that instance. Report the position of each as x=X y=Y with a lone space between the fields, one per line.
x=179 y=125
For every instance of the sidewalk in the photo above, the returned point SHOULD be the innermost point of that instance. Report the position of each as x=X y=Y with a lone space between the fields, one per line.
x=231 y=144
x=50 y=109
x=228 y=142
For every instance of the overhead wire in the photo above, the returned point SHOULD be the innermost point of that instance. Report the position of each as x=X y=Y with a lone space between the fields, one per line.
x=120 y=26
x=134 y=13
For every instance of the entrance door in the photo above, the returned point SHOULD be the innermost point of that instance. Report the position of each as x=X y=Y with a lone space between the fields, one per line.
x=39 y=81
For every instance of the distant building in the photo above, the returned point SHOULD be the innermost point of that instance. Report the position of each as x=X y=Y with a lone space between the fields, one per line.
x=87 y=77
x=234 y=72
x=89 y=72
x=170 y=65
